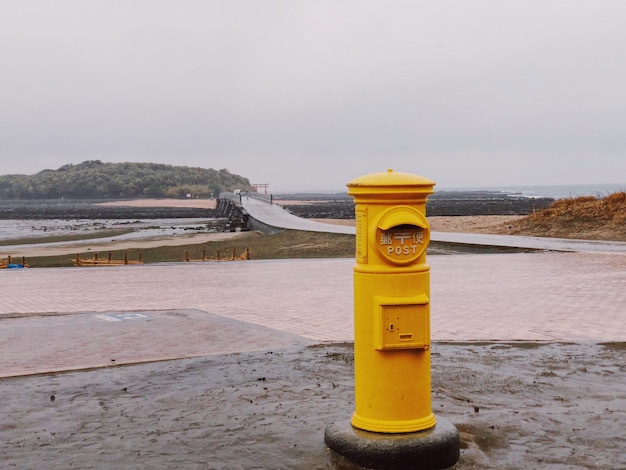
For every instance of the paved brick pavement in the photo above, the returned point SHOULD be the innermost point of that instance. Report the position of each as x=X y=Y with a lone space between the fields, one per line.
x=42 y=344
x=538 y=296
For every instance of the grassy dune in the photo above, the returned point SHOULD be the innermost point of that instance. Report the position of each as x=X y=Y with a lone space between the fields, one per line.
x=588 y=217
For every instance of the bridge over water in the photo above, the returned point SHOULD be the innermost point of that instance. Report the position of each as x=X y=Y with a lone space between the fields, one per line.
x=259 y=212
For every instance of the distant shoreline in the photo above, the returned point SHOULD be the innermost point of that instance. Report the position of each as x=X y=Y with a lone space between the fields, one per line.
x=161 y=202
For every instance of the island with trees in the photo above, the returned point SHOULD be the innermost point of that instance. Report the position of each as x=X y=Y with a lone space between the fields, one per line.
x=94 y=179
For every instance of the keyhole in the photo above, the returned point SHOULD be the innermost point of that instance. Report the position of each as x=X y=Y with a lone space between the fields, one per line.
x=391 y=327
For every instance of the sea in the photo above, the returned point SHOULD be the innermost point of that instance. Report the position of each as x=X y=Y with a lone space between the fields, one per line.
x=550 y=191
x=559 y=191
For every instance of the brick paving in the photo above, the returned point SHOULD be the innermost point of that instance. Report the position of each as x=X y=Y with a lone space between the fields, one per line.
x=262 y=304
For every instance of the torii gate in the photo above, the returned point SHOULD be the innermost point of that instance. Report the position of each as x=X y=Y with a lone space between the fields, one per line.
x=264 y=186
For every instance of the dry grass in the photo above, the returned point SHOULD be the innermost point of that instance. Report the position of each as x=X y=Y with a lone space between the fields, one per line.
x=588 y=217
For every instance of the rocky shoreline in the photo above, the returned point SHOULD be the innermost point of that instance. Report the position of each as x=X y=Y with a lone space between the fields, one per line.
x=444 y=203
x=333 y=206
x=93 y=209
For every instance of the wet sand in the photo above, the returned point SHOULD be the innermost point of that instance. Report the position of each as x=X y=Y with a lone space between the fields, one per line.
x=70 y=248
x=153 y=242
x=516 y=405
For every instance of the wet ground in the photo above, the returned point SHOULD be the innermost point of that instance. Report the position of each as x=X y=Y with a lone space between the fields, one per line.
x=31 y=231
x=516 y=405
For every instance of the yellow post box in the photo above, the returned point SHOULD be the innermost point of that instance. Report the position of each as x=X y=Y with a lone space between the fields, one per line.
x=392 y=304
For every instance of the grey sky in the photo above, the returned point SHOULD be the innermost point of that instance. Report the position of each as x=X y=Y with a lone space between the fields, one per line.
x=311 y=94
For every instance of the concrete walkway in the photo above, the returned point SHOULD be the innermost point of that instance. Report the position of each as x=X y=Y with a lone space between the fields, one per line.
x=534 y=243
x=275 y=216
x=71 y=318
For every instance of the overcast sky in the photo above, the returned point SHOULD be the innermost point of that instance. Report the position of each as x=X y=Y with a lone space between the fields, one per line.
x=311 y=94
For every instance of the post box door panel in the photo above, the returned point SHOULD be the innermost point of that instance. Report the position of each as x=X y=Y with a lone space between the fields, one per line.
x=402 y=323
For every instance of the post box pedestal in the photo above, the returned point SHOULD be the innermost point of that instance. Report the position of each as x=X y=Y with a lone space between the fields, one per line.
x=435 y=448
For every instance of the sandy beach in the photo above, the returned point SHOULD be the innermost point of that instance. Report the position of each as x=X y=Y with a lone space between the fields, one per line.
x=73 y=247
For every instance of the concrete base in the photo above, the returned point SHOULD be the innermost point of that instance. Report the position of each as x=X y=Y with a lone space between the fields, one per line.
x=435 y=448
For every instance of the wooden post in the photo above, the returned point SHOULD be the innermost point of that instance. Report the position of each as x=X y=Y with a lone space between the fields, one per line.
x=247 y=253
x=109 y=257
x=218 y=255
x=203 y=255
x=140 y=257
x=186 y=255
x=234 y=253
x=126 y=258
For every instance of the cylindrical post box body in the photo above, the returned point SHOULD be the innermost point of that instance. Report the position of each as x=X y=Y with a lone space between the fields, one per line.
x=392 y=303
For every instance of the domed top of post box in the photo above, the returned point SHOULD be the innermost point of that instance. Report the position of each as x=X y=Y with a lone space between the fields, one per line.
x=391 y=182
